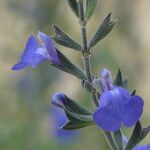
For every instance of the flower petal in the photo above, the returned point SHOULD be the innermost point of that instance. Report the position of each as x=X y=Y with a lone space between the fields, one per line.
x=107 y=118
x=20 y=65
x=32 y=56
x=31 y=47
x=58 y=99
x=49 y=45
x=142 y=147
x=106 y=79
x=117 y=97
x=132 y=111
x=60 y=119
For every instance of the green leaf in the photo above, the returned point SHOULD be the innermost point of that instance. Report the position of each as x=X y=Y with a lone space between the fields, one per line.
x=64 y=40
x=134 y=137
x=125 y=84
x=74 y=6
x=78 y=116
x=133 y=93
x=119 y=80
x=74 y=125
x=143 y=134
x=137 y=136
x=72 y=106
x=76 y=120
x=67 y=66
x=90 y=7
x=102 y=31
x=72 y=116
x=118 y=139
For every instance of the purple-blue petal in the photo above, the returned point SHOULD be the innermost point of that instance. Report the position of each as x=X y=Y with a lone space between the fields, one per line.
x=31 y=57
x=106 y=79
x=107 y=118
x=132 y=111
x=116 y=97
x=20 y=65
x=117 y=106
x=142 y=147
x=50 y=47
x=31 y=47
x=60 y=119
x=58 y=99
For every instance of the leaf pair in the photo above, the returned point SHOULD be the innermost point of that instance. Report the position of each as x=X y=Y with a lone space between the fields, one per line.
x=90 y=7
x=77 y=114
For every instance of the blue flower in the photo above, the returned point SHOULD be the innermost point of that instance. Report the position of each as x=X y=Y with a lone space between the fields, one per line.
x=142 y=147
x=60 y=118
x=36 y=51
x=139 y=147
x=117 y=106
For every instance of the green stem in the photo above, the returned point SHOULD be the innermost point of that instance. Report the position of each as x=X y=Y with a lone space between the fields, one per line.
x=110 y=140
x=86 y=52
x=87 y=65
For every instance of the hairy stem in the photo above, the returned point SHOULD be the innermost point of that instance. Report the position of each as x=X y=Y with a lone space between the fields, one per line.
x=86 y=52
x=87 y=65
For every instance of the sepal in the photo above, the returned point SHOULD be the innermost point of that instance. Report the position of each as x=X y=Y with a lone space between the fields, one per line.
x=90 y=7
x=67 y=66
x=119 y=81
x=102 y=31
x=133 y=93
x=144 y=133
x=74 y=6
x=76 y=120
x=78 y=116
x=63 y=39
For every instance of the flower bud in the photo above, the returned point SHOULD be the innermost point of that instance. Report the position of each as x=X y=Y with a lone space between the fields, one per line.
x=58 y=99
x=106 y=80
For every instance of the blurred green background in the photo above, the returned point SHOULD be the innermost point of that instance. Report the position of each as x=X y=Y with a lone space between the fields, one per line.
x=25 y=110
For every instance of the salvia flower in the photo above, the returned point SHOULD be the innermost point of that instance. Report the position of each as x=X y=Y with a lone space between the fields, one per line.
x=138 y=147
x=117 y=106
x=60 y=118
x=36 y=51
